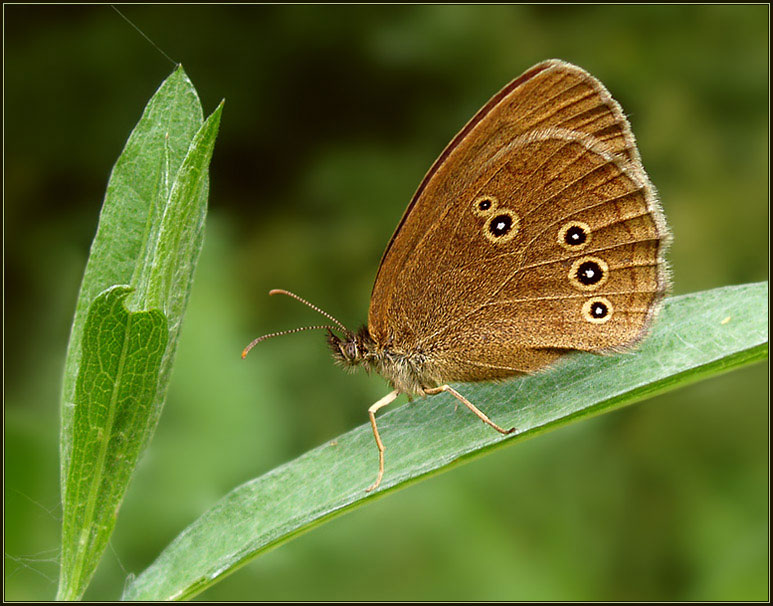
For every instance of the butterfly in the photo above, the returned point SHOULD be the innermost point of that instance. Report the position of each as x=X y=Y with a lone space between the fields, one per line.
x=536 y=233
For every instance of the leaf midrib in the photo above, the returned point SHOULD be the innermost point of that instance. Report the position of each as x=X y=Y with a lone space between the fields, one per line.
x=97 y=482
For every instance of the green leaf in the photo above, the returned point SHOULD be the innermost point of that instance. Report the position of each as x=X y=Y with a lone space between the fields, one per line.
x=115 y=390
x=695 y=337
x=131 y=213
x=119 y=358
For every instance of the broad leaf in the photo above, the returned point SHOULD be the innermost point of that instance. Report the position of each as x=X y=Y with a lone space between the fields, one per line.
x=696 y=336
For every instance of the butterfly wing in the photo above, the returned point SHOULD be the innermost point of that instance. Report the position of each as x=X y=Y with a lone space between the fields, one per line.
x=536 y=231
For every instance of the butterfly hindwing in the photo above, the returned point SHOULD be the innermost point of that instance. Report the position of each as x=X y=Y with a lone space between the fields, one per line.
x=537 y=231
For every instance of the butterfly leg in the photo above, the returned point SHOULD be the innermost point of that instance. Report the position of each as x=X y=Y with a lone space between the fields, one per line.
x=385 y=401
x=479 y=413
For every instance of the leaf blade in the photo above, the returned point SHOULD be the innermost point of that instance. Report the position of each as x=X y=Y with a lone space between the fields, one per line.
x=150 y=232
x=130 y=210
x=692 y=340
x=115 y=389
x=167 y=279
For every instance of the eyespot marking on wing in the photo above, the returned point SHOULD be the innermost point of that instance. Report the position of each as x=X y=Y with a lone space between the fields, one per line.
x=597 y=310
x=588 y=273
x=501 y=226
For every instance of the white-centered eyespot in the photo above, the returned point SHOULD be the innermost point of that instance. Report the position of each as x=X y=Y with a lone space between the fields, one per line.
x=484 y=205
x=501 y=226
x=574 y=235
x=597 y=310
x=588 y=273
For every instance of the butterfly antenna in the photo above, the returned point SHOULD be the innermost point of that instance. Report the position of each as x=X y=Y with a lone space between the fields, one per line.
x=279 y=334
x=279 y=291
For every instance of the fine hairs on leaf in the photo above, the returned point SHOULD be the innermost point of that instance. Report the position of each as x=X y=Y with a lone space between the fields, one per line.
x=691 y=341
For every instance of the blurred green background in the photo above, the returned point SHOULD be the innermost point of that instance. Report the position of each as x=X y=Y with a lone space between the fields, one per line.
x=333 y=114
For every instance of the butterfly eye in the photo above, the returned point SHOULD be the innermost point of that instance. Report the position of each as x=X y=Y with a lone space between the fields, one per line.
x=484 y=205
x=597 y=310
x=501 y=226
x=575 y=235
x=588 y=273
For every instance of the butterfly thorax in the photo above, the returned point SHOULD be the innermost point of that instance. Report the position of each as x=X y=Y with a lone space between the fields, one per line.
x=407 y=372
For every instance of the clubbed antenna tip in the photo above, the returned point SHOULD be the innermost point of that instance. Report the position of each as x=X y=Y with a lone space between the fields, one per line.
x=279 y=334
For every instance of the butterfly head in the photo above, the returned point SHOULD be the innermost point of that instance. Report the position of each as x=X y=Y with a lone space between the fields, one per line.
x=352 y=349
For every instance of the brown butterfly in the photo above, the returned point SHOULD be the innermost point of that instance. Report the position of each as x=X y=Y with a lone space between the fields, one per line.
x=535 y=233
